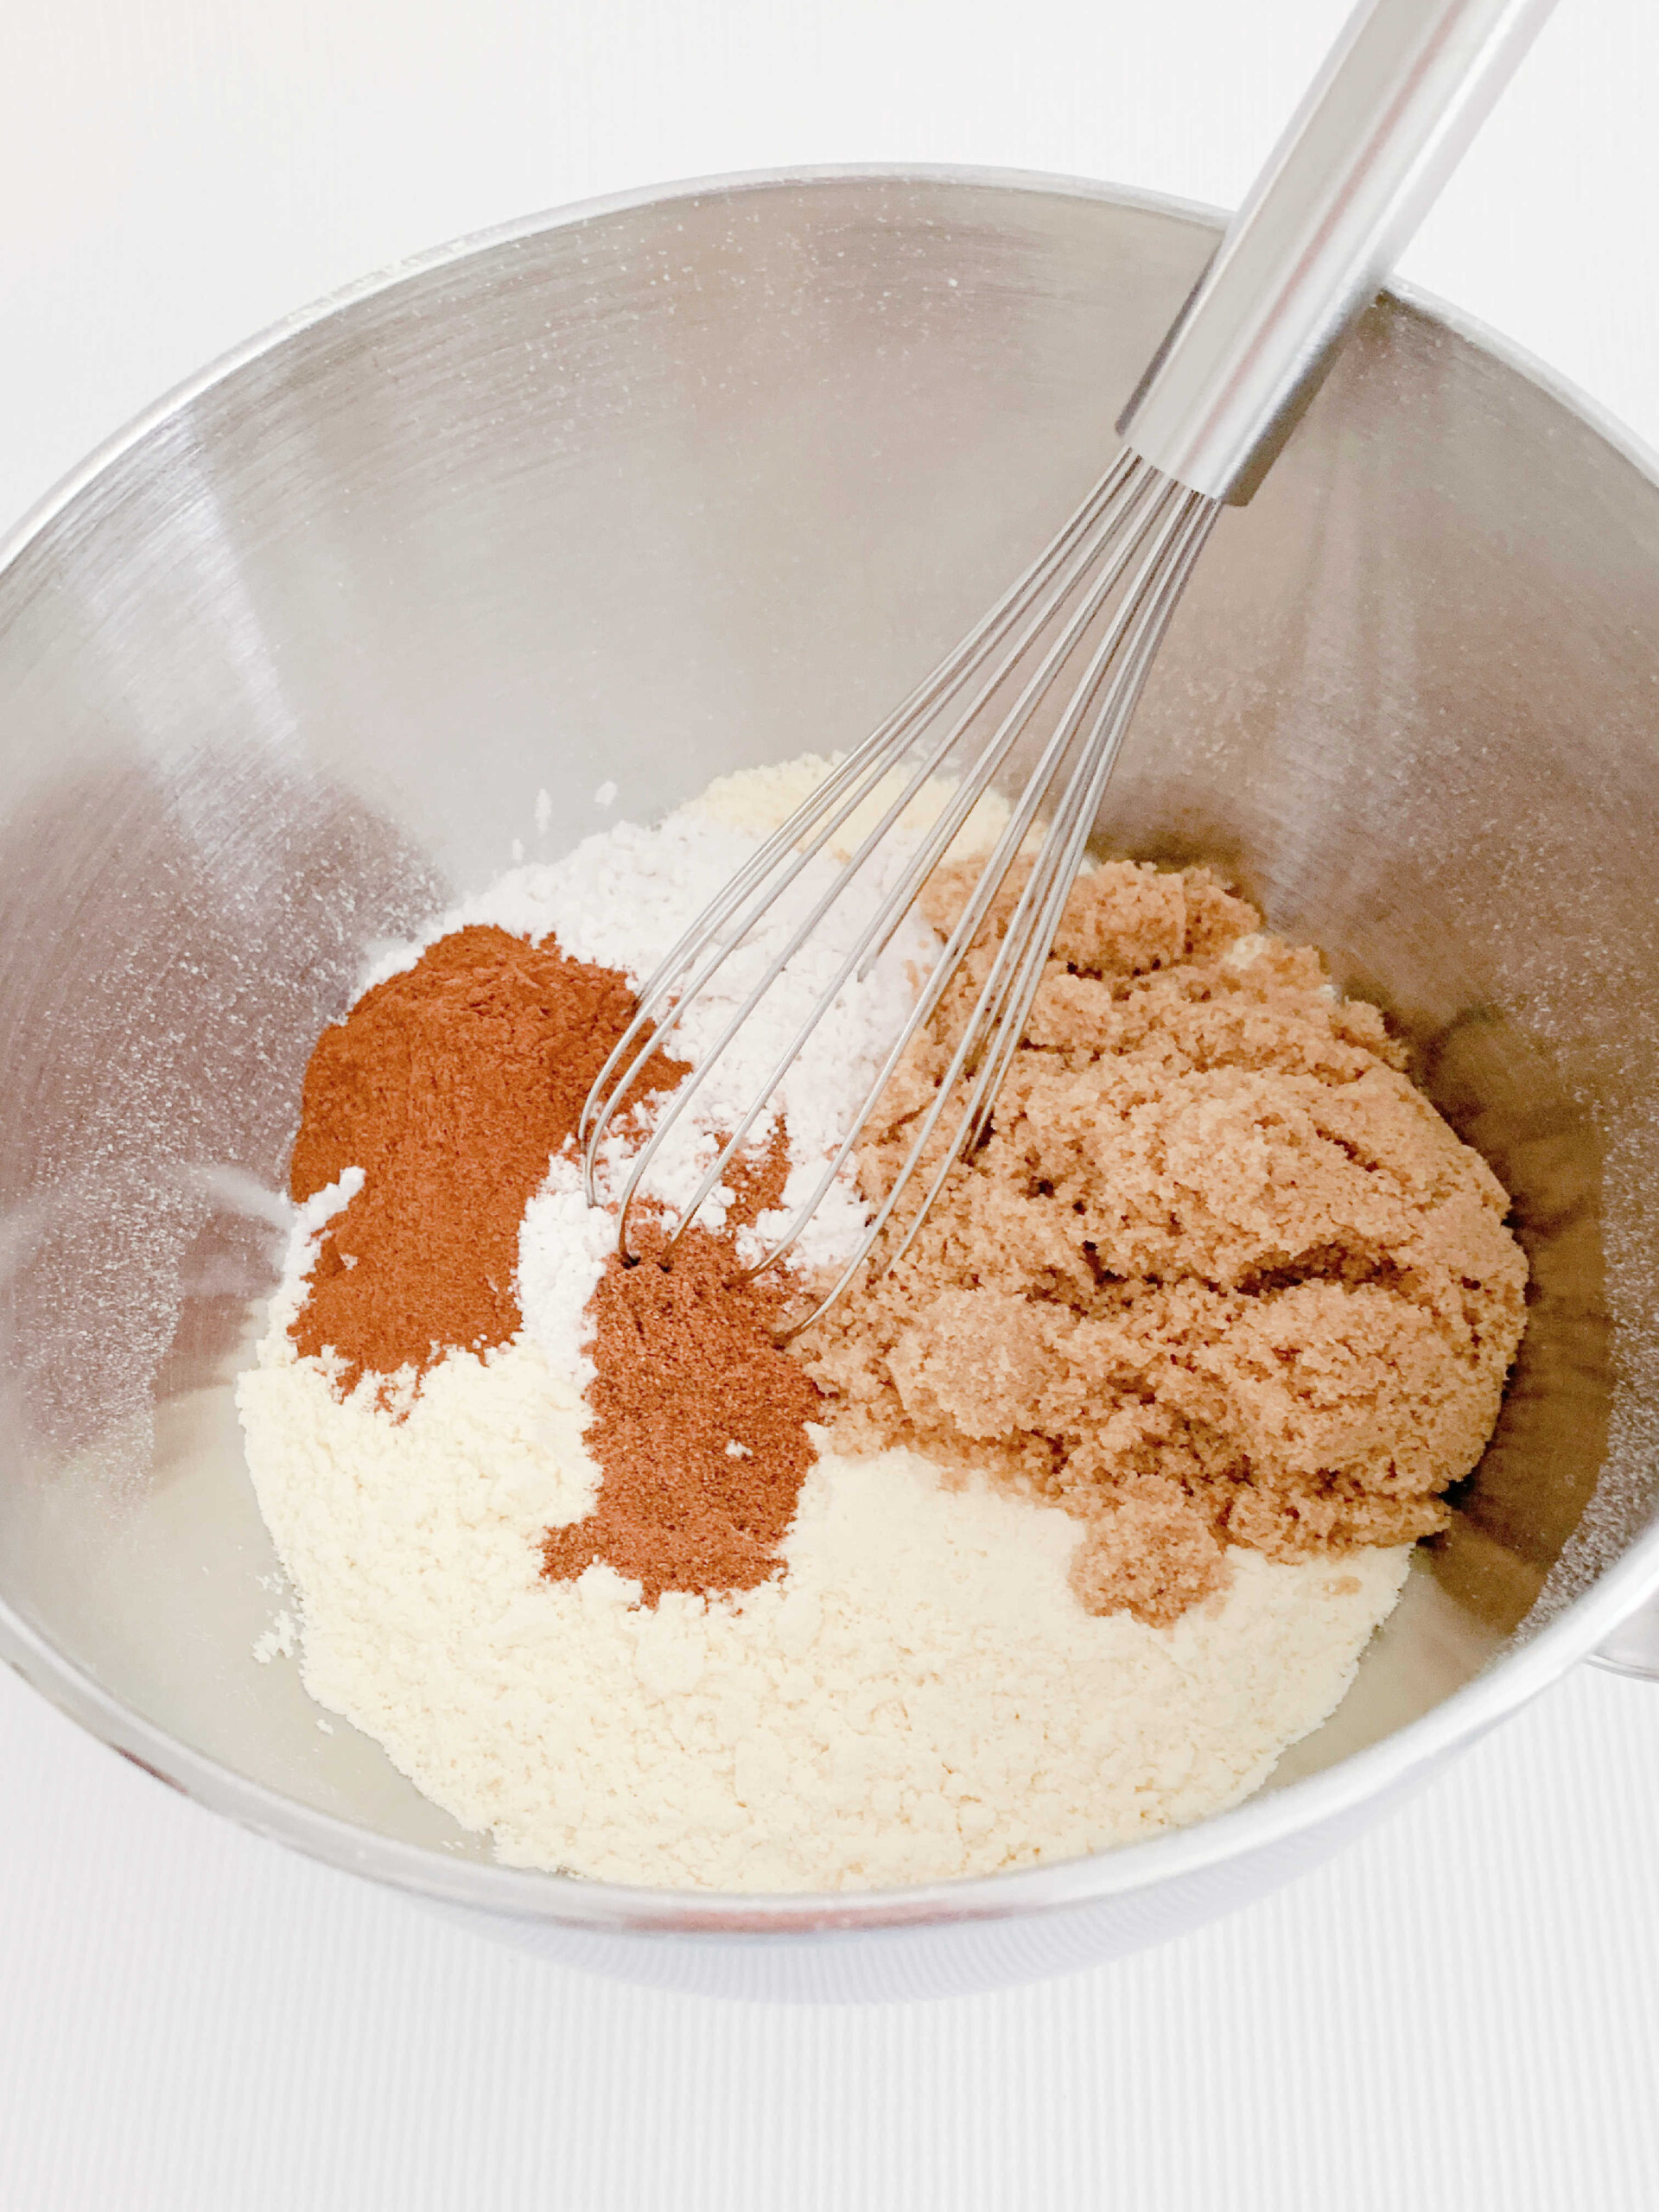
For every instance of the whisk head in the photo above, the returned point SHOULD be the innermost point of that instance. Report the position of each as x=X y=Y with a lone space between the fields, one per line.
x=1053 y=670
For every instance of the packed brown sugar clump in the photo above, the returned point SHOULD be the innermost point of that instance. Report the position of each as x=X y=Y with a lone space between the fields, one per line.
x=1220 y=1273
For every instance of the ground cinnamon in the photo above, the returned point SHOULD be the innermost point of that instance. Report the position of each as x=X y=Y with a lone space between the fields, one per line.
x=451 y=1086
x=697 y=1413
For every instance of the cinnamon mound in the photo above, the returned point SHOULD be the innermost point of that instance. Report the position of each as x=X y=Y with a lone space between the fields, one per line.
x=1219 y=1276
x=451 y=1086
x=698 y=1416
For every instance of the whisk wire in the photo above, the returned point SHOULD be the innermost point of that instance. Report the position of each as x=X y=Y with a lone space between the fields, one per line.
x=993 y=873
x=1150 y=603
x=1005 y=998
x=800 y=838
x=901 y=895
x=1108 y=583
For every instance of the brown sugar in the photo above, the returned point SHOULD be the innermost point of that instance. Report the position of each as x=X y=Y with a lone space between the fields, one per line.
x=1219 y=1276
x=451 y=1086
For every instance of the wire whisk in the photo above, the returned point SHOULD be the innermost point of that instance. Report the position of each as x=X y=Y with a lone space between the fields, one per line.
x=1123 y=559
x=1057 y=664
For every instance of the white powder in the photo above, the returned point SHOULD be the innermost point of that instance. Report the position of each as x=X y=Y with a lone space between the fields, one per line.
x=623 y=898
x=279 y=1641
x=762 y=799
x=918 y=1694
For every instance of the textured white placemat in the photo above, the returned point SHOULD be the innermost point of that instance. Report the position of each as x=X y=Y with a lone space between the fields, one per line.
x=1459 y=2013
x=1456 y=2015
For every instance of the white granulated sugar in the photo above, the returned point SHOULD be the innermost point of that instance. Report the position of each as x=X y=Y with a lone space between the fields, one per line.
x=918 y=1694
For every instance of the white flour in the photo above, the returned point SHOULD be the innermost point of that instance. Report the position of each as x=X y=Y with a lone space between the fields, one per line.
x=919 y=1695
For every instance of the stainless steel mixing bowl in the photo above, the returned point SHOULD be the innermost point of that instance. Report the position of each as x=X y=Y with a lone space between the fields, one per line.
x=656 y=490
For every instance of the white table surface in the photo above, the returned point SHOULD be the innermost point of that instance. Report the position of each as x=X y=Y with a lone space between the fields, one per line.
x=1460 y=2012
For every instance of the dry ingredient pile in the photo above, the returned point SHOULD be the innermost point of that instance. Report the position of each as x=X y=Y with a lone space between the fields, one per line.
x=1220 y=1276
x=1054 y=1536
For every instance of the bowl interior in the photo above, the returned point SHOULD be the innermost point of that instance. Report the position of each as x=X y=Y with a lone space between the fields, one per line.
x=672 y=489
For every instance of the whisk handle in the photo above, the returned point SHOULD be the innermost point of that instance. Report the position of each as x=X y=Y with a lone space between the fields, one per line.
x=1382 y=126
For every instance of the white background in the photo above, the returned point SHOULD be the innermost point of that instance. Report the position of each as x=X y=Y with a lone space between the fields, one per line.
x=1461 y=2012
